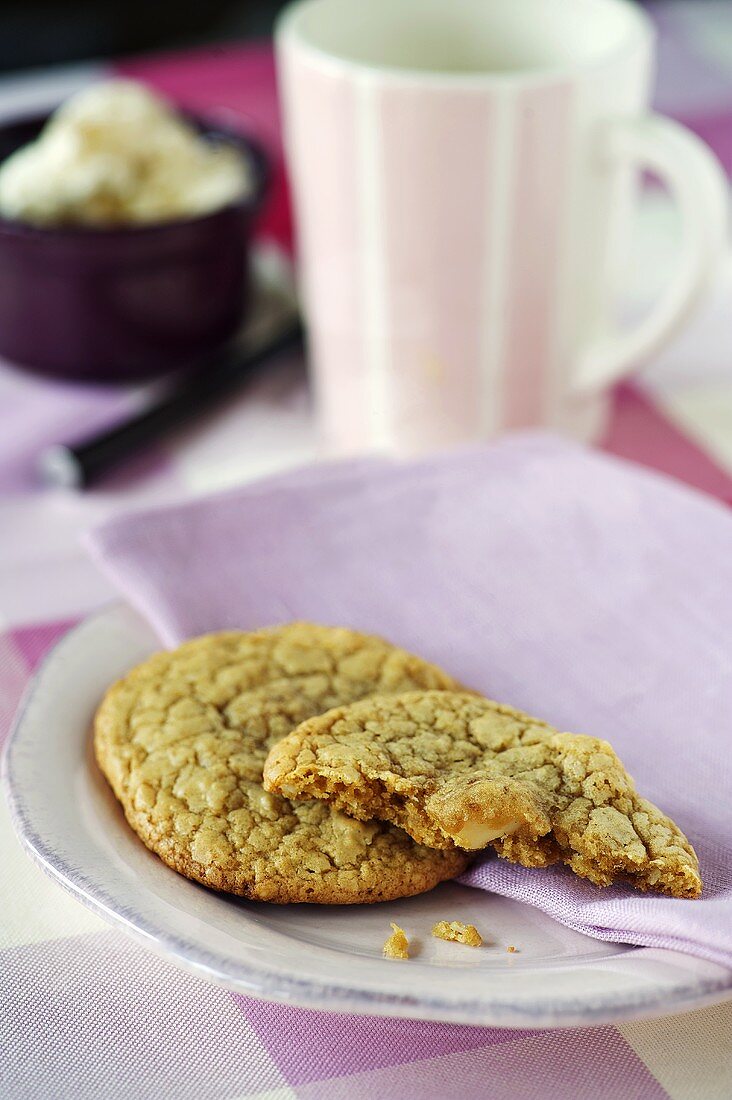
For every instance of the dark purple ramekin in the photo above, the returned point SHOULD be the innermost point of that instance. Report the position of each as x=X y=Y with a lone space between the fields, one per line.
x=125 y=303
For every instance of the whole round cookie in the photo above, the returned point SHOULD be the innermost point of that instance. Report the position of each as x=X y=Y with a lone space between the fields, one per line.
x=183 y=738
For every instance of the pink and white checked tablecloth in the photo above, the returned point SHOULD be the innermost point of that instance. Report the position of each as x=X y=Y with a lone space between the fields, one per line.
x=86 y=1013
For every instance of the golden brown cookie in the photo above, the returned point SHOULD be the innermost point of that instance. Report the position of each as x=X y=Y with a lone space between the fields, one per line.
x=183 y=738
x=452 y=768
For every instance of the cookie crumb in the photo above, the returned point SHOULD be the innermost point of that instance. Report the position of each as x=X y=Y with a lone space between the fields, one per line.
x=397 y=946
x=511 y=949
x=457 y=932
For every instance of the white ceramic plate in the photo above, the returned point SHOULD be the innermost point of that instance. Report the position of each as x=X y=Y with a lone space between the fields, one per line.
x=327 y=957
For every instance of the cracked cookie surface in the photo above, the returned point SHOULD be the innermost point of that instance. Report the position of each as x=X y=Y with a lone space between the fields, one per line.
x=455 y=769
x=182 y=741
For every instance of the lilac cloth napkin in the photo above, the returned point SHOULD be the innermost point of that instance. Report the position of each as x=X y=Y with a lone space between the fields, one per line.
x=577 y=587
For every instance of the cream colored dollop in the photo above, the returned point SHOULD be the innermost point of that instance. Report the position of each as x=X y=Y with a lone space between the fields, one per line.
x=116 y=154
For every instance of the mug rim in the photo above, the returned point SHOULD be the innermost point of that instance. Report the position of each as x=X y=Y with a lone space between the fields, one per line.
x=287 y=31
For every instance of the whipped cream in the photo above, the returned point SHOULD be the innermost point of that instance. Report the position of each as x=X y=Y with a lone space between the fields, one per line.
x=116 y=154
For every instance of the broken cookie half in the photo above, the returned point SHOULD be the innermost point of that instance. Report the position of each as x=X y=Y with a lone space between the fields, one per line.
x=453 y=769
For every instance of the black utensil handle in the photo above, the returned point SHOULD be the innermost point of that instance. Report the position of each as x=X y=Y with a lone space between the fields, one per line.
x=81 y=464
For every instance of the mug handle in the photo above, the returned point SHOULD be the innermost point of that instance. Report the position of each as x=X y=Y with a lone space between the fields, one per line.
x=698 y=185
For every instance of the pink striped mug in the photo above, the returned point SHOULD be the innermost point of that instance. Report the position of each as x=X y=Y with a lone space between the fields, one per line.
x=463 y=171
